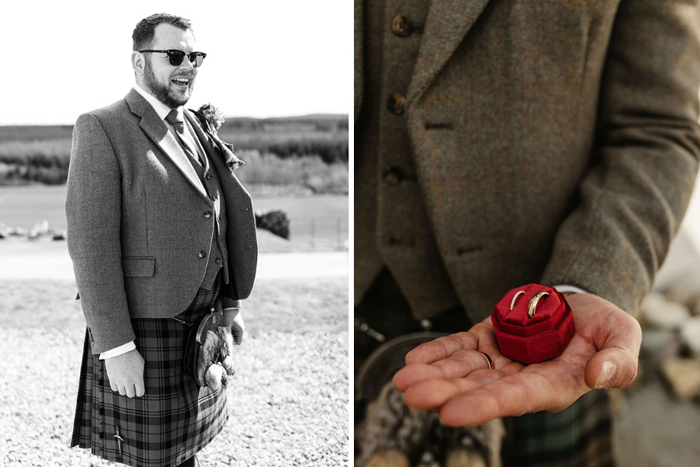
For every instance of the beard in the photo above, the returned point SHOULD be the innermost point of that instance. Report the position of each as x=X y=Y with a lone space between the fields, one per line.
x=162 y=92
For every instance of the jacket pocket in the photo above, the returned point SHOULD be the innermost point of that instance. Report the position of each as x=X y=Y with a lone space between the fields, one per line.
x=138 y=266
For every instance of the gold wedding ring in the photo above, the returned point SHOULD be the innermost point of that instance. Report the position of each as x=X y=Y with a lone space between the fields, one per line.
x=488 y=359
x=532 y=306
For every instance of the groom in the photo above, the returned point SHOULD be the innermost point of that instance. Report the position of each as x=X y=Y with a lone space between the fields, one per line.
x=159 y=230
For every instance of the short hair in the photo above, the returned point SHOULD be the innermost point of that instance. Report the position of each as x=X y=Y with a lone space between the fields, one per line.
x=145 y=29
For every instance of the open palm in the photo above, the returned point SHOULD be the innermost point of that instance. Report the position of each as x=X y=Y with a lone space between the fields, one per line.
x=450 y=375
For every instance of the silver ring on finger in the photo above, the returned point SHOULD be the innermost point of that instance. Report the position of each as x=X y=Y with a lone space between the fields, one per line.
x=488 y=359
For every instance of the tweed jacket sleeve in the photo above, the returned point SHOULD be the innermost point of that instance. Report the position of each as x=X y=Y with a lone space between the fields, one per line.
x=634 y=195
x=93 y=211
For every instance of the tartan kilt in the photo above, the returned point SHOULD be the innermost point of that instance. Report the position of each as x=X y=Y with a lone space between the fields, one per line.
x=578 y=436
x=173 y=420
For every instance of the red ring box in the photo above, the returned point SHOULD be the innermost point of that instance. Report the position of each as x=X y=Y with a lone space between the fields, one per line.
x=532 y=340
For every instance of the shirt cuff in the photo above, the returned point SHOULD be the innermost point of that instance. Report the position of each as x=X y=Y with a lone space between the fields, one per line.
x=568 y=289
x=122 y=349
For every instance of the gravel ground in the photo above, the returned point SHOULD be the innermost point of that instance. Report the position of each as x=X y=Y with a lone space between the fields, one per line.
x=288 y=402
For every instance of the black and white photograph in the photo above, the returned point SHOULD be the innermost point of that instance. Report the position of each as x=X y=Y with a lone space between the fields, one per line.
x=174 y=234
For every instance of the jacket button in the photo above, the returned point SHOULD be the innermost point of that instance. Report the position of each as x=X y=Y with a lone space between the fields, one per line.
x=401 y=27
x=393 y=176
x=208 y=176
x=218 y=260
x=396 y=104
x=202 y=254
x=207 y=214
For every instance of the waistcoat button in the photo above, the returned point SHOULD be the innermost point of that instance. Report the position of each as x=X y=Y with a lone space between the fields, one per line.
x=207 y=214
x=393 y=176
x=396 y=104
x=202 y=254
x=401 y=27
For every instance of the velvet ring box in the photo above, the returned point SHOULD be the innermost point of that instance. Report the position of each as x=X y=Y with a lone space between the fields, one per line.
x=532 y=339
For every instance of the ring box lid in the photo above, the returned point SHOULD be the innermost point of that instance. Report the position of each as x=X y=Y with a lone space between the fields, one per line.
x=550 y=312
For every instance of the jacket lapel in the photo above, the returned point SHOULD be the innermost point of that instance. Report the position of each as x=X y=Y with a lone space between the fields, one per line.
x=203 y=138
x=447 y=24
x=156 y=130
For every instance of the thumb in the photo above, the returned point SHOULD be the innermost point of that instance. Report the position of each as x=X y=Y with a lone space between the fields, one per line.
x=615 y=365
x=611 y=368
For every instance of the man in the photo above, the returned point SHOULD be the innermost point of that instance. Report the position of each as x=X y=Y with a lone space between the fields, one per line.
x=505 y=143
x=159 y=231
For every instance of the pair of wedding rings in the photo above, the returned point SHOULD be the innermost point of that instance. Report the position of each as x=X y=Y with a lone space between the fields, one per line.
x=532 y=306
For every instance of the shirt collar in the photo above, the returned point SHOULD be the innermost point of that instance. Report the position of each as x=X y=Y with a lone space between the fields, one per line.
x=161 y=109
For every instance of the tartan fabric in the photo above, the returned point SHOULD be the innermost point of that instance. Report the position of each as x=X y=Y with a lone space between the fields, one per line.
x=580 y=435
x=172 y=421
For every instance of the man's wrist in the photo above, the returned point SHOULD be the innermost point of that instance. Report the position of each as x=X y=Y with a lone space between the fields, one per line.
x=121 y=350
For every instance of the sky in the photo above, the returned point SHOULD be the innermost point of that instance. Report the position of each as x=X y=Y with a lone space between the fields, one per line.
x=265 y=58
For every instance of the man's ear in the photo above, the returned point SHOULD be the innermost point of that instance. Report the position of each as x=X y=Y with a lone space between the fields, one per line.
x=138 y=62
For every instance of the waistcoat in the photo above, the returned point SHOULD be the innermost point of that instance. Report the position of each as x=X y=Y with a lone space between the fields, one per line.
x=217 y=255
x=387 y=192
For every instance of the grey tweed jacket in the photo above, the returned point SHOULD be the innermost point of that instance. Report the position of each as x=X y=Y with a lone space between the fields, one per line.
x=137 y=230
x=553 y=141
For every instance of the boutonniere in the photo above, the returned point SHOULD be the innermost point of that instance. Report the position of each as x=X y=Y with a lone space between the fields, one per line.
x=211 y=119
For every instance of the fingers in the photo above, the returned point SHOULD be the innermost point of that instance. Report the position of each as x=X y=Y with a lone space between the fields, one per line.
x=126 y=374
x=442 y=347
x=140 y=388
x=459 y=364
x=433 y=393
x=130 y=390
x=511 y=396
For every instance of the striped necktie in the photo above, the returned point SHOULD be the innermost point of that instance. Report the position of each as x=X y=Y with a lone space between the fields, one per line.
x=176 y=120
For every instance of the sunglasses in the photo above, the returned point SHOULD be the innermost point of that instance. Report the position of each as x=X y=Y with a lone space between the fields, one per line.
x=175 y=57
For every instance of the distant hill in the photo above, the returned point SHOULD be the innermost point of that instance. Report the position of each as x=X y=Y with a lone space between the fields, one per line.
x=314 y=122
x=42 y=152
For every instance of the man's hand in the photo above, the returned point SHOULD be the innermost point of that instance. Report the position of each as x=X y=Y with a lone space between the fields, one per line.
x=125 y=373
x=238 y=329
x=449 y=375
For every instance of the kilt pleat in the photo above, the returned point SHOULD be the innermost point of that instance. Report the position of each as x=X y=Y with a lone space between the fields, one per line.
x=173 y=420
